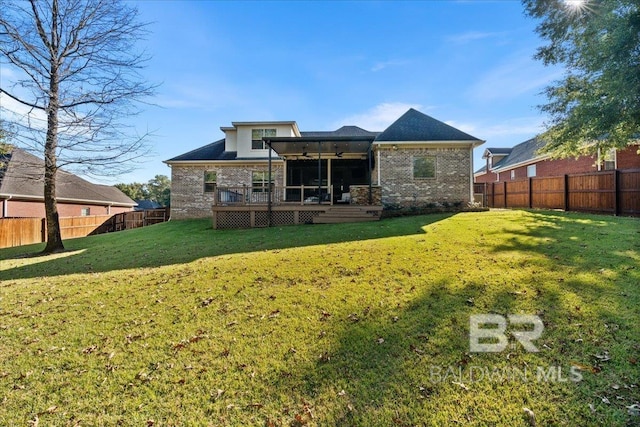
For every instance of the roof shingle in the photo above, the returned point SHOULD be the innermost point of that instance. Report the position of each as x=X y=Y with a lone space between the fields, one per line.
x=416 y=126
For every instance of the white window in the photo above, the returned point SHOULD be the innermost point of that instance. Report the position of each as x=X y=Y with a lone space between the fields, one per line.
x=607 y=161
x=256 y=138
x=85 y=211
x=531 y=171
x=513 y=174
x=424 y=167
x=260 y=181
x=210 y=179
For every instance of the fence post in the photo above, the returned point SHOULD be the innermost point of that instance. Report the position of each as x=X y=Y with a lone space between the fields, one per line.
x=43 y=230
x=616 y=192
x=566 y=192
x=530 y=193
x=504 y=192
x=485 y=196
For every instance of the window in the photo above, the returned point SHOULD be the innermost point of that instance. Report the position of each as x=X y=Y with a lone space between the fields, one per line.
x=531 y=171
x=85 y=211
x=260 y=180
x=513 y=174
x=608 y=160
x=424 y=167
x=256 y=138
x=210 y=179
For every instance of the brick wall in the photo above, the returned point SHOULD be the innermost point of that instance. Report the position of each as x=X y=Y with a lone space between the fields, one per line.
x=35 y=209
x=451 y=184
x=629 y=158
x=188 y=198
x=626 y=159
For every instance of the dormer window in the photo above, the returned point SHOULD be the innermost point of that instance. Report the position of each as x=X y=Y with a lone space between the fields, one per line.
x=256 y=138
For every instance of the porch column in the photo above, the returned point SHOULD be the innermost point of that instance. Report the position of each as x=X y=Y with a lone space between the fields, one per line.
x=268 y=191
x=329 y=186
x=319 y=172
x=370 y=173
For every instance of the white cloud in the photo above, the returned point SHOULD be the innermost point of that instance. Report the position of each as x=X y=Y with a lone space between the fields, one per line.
x=471 y=36
x=14 y=111
x=391 y=63
x=379 y=117
x=512 y=131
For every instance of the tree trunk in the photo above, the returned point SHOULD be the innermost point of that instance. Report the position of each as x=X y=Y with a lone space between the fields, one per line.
x=54 y=238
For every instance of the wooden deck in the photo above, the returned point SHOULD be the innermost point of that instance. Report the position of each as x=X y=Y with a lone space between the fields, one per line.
x=249 y=216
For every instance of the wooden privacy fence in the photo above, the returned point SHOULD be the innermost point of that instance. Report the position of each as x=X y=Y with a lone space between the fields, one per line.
x=615 y=192
x=26 y=231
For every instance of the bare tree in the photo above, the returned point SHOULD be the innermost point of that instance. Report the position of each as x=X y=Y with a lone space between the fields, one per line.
x=76 y=70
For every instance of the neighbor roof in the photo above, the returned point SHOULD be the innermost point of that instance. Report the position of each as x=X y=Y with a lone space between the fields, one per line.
x=416 y=126
x=496 y=151
x=22 y=176
x=524 y=152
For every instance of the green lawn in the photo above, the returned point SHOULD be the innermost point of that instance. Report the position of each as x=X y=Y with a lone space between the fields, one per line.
x=365 y=324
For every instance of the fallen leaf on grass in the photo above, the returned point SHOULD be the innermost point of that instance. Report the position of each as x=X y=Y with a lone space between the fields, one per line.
x=634 y=410
x=461 y=385
x=255 y=405
x=90 y=349
x=530 y=416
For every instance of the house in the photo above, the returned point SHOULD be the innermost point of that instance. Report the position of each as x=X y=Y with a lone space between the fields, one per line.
x=145 y=204
x=525 y=161
x=417 y=160
x=22 y=190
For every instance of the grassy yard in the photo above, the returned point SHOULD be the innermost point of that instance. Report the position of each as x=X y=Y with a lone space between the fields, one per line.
x=366 y=324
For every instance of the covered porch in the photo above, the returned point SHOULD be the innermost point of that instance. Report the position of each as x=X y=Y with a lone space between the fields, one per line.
x=325 y=179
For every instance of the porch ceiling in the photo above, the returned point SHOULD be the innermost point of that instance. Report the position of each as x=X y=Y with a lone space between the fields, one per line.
x=325 y=145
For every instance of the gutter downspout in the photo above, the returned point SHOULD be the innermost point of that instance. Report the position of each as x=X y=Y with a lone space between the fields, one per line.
x=5 y=206
x=378 y=165
x=471 y=199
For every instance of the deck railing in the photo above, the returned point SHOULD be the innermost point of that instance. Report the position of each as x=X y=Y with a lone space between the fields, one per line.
x=248 y=195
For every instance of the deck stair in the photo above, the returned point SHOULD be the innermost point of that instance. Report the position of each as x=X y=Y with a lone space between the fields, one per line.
x=348 y=213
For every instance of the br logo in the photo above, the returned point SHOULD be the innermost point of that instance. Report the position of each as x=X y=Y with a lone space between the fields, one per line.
x=487 y=332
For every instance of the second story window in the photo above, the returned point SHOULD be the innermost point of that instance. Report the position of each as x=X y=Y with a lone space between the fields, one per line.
x=256 y=138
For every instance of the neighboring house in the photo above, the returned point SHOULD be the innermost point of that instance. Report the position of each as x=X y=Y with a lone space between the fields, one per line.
x=416 y=161
x=22 y=190
x=525 y=161
x=144 y=205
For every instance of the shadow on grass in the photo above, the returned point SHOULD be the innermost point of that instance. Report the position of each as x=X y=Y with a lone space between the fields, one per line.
x=180 y=242
x=384 y=369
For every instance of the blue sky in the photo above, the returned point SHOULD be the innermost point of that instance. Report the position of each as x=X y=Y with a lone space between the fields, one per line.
x=326 y=64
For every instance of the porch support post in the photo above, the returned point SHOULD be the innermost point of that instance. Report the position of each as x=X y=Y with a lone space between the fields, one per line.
x=370 y=172
x=319 y=173
x=329 y=183
x=269 y=189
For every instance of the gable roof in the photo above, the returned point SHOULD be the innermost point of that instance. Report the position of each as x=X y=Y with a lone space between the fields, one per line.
x=344 y=131
x=22 y=176
x=213 y=151
x=416 y=126
x=524 y=152
x=496 y=151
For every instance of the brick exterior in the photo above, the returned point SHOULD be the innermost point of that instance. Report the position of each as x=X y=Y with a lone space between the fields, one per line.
x=626 y=159
x=360 y=195
x=629 y=158
x=451 y=183
x=35 y=209
x=188 y=198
